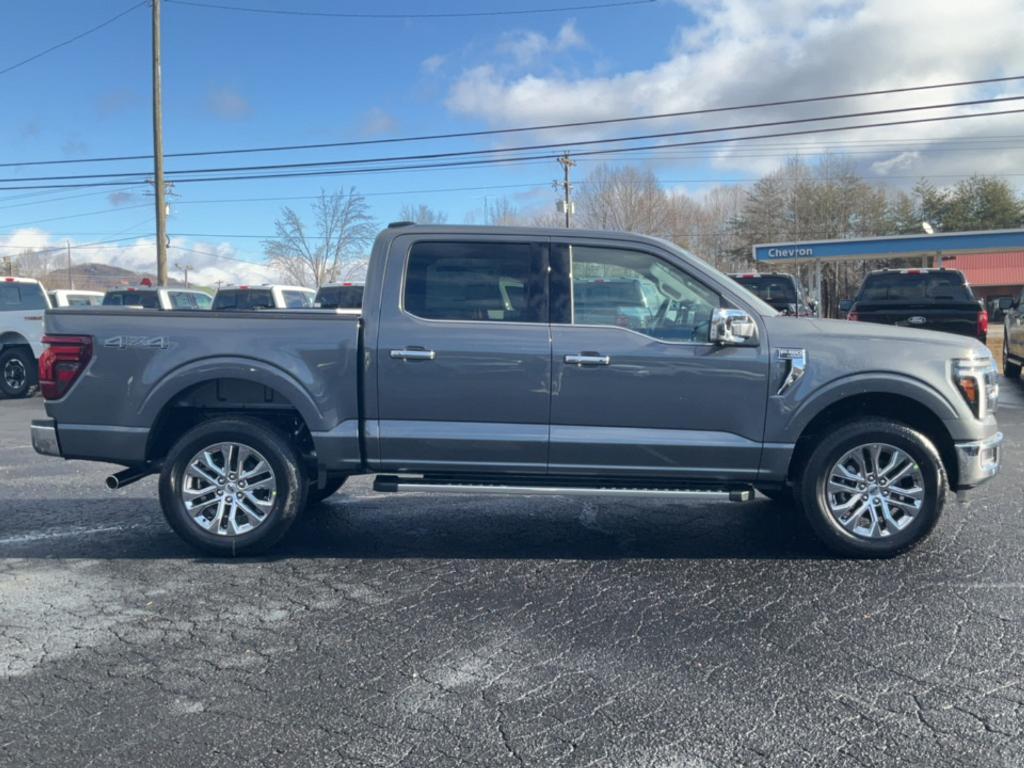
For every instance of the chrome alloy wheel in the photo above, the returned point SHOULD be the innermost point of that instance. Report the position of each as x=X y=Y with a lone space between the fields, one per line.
x=15 y=374
x=875 y=490
x=228 y=489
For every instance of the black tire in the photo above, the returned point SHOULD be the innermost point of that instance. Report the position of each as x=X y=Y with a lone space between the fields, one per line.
x=290 y=485
x=316 y=495
x=832 y=447
x=17 y=372
x=1010 y=370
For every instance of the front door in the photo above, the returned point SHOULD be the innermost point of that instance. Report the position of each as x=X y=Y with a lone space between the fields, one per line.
x=464 y=356
x=637 y=387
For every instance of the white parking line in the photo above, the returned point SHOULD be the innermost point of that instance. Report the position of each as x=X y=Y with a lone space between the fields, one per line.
x=64 y=533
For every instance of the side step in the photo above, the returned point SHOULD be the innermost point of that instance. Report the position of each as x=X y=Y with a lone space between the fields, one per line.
x=396 y=484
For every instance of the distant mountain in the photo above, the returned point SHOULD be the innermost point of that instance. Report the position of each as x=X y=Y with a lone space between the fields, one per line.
x=98 y=277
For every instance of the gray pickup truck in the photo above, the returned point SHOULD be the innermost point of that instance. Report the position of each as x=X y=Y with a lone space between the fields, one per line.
x=475 y=366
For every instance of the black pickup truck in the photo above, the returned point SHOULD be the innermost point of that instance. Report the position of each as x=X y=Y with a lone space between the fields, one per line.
x=931 y=299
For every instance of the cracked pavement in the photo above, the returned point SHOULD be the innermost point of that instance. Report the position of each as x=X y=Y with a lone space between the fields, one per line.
x=423 y=630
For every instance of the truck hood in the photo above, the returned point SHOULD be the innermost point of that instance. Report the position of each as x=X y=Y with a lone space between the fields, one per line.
x=870 y=344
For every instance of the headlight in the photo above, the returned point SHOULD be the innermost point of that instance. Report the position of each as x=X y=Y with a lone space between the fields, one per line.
x=977 y=380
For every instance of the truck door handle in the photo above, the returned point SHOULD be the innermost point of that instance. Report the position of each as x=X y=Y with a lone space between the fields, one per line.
x=588 y=358
x=413 y=354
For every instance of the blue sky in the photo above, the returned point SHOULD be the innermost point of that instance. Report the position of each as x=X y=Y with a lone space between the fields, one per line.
x=236 y=79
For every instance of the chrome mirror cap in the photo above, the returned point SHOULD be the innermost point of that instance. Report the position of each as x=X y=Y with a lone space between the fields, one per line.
x=732 y=327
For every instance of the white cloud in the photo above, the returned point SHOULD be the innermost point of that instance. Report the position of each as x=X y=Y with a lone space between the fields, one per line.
x=432 y=64
x=209 y=262
x=228 y=104
x=376 y=122
x=527 y=47
x=748 y=51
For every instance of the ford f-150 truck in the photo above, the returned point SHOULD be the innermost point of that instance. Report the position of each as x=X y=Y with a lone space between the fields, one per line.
x=476 y=366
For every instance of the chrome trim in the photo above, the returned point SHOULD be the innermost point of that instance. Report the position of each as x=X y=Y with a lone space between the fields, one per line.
x=583 y=359
x=733 y=327
x=543 y=490
x=978 y=460
x=44 y=438
x=413 y=354
x=796 y=360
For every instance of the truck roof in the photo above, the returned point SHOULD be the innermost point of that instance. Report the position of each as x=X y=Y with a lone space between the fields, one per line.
x=403 y=228
x=264 y=286
x=21 y=280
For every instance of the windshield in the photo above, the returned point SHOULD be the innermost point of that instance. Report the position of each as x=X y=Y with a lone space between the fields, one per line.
x=145 y=299
x=915 y=286
x=775 y=289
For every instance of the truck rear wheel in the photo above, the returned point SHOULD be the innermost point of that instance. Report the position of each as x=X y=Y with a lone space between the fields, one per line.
x=232 y=486
x=16 y=371
x=873 y=488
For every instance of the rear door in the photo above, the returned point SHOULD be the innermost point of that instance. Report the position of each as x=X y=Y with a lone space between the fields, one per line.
x=649 y=394
x=464 y=355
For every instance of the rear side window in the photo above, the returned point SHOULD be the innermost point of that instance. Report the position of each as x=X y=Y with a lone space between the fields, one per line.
x=482 y=281
x=297 y=299
x=21 y=296
x=340 y=297
x=919 y=287
x=774 y=289
x=181 y=300
x=145 y=299
x=82 y=301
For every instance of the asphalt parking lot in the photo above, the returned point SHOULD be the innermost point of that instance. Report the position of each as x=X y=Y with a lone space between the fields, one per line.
x=425 y=630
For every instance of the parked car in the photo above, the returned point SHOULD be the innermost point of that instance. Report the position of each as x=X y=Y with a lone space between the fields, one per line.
x=445 y=384
x=780 y=289
x=1013 y=338
x=339 y=296
x=22 y=304
x=72 y=298
x=148 y=297
x=932 y=299
x=238 y=298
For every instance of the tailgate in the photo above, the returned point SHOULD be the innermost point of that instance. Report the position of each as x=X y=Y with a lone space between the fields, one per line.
x=961 y=319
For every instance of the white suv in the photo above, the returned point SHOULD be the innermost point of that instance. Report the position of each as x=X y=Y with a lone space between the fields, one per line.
x=22 y=303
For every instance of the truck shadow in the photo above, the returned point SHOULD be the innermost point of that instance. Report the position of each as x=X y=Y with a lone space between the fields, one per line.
x=439 y=527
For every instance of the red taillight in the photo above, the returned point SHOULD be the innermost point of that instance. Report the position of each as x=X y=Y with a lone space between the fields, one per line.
x=982 y=323
x=61 y=363
x=852 y=316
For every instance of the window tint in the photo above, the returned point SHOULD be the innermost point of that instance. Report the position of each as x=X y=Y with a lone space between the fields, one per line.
x=145 y=299
x=639 y=291
x=21 y=296
x=775 y=289
x=340 y=297
x=297 y=299
x=919 y=286
x=501 y=282
x=248 y=299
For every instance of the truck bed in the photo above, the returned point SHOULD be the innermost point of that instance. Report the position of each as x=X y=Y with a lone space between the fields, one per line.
x=144 y=361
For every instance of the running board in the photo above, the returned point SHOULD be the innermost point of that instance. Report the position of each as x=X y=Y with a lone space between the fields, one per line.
x=395 y=484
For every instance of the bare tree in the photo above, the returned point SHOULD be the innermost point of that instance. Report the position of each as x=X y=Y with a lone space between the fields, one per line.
x=344 y=229
x=625 y=199
x=37 y=263
x=422 y=214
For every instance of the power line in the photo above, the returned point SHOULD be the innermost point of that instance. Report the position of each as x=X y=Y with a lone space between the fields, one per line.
x=74 y=216
x=79 y=36
x=436 y=15
x=522 y=158
x=533 y=147
x=521 y=129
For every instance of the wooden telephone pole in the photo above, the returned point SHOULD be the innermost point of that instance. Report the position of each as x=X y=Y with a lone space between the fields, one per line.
x=158 y=154
x=566 y=162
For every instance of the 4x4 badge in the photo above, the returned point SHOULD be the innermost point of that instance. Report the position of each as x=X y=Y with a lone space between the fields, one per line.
x=135 y=342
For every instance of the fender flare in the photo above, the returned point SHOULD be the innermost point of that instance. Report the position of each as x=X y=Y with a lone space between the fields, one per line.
x=176 y=381
x=868 y=383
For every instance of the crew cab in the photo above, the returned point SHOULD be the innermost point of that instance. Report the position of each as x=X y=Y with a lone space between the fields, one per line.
x=1013 y=337
x=72 y=298
x=472 y=369
x=149 y=297
x=933 y=299
x=347 y=295
x=22 y=303
x=240 y=298
x=779 y=289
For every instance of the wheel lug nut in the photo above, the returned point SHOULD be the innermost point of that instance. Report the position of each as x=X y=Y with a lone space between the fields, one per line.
x=861 y=486
x=864 y=497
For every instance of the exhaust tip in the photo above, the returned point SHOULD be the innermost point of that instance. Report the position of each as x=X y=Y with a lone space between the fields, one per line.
x=112 y=482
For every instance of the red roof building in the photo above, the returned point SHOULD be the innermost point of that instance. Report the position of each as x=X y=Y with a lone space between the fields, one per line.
x=991 y=274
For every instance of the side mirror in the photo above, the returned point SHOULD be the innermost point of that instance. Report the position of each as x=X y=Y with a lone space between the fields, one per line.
x=845 y=305
x=732 y=327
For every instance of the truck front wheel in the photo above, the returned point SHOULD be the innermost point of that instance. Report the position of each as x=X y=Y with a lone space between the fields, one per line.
x=873 y=488
x=232 y=486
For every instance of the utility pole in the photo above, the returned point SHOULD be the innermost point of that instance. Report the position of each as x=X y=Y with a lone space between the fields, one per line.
x=158 y=154
x=71 y=282
x=184 y=268
x=566 y=204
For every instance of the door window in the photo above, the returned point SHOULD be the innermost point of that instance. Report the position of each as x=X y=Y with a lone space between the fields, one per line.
x=483 y=281
x=639 y=291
